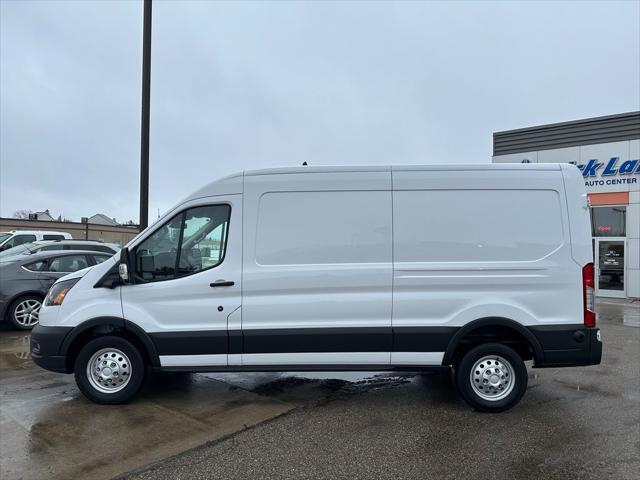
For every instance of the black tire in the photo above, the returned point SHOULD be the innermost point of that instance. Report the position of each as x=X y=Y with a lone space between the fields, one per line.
x=132 y=373
x=507 y=389
x=12 y=311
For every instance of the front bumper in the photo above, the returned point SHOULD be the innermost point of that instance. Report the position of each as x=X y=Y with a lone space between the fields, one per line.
x=568 y=345
x=46 y=351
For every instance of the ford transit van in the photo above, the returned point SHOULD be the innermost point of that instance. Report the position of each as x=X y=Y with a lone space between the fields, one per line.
x=473 y=268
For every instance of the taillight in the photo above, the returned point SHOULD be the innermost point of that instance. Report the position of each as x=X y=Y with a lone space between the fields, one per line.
x=589 y=295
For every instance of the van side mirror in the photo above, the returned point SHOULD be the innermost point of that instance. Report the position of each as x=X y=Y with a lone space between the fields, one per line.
x=118 y=274
x=123 y=266
x=123 y=271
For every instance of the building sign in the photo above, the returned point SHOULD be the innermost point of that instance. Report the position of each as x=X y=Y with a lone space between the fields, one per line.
x=612 y=173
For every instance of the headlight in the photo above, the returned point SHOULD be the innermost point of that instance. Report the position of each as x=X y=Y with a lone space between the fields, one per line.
x=59 y=291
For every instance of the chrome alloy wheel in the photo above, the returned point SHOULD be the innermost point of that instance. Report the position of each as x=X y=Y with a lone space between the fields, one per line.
x=27 y=312
x=492 y=378
x=109 y=370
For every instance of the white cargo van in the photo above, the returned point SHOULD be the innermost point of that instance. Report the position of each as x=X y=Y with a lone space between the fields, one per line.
x=478 y=268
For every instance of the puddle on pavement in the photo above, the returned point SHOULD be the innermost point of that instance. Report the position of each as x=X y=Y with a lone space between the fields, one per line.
x=14 y=352
x=628 y=313
x=280 y=385
x=47 y=427
x=309 y=387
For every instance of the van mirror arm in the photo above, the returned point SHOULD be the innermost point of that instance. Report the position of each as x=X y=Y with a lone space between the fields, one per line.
x=118 y=274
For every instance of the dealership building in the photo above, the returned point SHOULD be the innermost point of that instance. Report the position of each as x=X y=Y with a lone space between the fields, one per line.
x=607 y=152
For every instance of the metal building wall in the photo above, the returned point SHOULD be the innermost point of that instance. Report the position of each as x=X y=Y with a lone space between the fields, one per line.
x=611 y=128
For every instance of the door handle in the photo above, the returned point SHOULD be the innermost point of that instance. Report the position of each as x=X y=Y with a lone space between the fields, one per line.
x=222 y=283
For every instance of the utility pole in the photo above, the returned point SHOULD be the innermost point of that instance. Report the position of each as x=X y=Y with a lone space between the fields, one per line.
x=146 y=102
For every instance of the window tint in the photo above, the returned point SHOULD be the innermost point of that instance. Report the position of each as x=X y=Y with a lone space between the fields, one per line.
x=195 y=237
x=52 y=237
x=19 y=240
x=38 y=266
x=100 y=258
x=24 y=248
x=302 y=228
x=608 y=221
x=205 y=231
x=68 y=263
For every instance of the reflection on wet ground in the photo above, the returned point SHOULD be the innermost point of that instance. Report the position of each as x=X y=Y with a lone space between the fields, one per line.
x=48 y=430
x=616 y=310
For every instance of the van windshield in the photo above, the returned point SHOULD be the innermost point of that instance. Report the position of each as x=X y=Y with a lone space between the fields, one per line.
x=4 y=236
x=24 y=248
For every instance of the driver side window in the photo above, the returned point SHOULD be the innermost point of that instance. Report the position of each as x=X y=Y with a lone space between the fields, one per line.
x=192 y=241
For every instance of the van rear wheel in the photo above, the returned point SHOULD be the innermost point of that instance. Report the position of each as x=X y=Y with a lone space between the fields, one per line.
x=491 y=377
x=109 y=370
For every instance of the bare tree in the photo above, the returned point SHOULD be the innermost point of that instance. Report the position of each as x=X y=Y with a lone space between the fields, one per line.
x=23 y=214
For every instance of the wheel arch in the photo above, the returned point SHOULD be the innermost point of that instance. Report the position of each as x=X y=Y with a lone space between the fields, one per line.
x=26 y=293
x=100 y=326
x=485 y=323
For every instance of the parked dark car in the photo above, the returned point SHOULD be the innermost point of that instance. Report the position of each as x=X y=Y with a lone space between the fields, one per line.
x=25 y=281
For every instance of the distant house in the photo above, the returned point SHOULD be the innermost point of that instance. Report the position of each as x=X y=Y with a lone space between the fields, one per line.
x=101 y=219
x=45 y=215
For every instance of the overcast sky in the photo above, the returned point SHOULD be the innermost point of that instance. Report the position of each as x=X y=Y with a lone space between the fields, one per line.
x=249 y=85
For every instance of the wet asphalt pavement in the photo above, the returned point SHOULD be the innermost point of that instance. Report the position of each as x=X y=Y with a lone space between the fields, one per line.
x=572 y=423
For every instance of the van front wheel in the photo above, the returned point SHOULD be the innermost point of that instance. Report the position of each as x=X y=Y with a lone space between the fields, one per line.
x=491 y=377
x=109 y=370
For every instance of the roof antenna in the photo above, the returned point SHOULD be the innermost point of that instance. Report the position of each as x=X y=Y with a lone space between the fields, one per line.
x=304 y=164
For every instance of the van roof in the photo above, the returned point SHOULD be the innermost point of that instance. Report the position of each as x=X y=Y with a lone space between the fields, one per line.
x=400 y=168
x=233 y=184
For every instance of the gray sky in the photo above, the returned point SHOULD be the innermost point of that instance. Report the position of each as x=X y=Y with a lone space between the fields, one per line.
x=249 y=85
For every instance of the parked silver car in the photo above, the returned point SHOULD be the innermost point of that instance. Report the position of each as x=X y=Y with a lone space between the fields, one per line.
x=46 y=246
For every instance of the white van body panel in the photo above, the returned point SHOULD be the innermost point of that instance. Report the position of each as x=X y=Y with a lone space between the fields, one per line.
x=482 y=244
x=317 y=255
x=578 y=209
